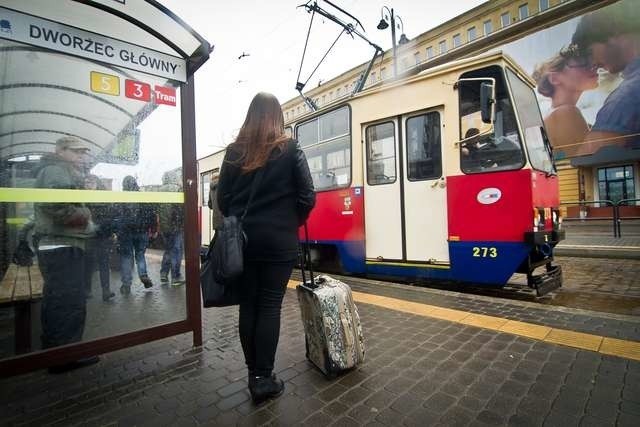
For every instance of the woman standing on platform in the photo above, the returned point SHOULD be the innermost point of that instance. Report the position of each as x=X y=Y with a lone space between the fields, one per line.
x=265 y=157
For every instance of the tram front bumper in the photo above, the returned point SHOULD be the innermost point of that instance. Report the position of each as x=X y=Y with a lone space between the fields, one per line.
x=548 y=281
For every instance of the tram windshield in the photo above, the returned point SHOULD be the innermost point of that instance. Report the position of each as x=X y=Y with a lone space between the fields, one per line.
x=538 y=146
x=482 y=151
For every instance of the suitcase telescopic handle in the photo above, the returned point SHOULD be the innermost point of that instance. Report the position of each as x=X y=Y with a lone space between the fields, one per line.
x=306 y=258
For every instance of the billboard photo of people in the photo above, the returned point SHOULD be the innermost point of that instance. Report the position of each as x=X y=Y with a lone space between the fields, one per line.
x=587 y=72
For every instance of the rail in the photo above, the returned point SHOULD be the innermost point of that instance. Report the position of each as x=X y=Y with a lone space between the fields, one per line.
x=616 y=217
x=623 y=202
x=598 y=202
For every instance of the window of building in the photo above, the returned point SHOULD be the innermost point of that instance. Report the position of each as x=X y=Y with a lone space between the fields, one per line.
x=416 y=58
x=404 y=63
x=372 y=77
x=324 y=99
x=616 y=183
x=298 y=110
x=443 y=46
x=457 y=40
x=383 y=73
x=424 y=157
x=286 y=115
x=326 y=141
x=471 y=34
x=381 y=154
x=338 y=93
x=523 y=11
x=505 y=19
x=488 y=27
x=429 y=52
x=331 y=96
x=544 y=5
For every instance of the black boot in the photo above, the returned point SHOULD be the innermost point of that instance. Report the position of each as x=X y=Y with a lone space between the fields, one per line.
x=263 y=388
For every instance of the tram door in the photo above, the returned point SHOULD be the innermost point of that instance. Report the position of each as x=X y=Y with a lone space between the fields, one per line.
x=405 y=192
x=425 y=197
x=383 y=221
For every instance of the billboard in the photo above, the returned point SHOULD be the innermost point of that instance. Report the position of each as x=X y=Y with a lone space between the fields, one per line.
x=587 y=72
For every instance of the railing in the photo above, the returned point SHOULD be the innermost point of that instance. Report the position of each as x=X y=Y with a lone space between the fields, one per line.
x=607 y=203
x=616 y=219
x=623 y=202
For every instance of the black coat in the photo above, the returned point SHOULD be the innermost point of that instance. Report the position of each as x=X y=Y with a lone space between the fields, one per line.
x=282 y=202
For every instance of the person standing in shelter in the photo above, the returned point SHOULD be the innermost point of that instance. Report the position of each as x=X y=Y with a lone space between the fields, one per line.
x=611 y=36
x=98 y=247
x=62 y=231
x=564 y=78
x=135 y=224
x=283 y=199
x=171 y=218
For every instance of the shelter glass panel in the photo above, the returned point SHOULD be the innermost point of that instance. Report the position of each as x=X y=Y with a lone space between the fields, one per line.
x=91 y=201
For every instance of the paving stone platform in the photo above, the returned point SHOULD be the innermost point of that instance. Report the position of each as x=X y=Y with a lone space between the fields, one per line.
x=419 y=371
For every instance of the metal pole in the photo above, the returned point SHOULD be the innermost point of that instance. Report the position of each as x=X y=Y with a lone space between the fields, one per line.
x=393 y=44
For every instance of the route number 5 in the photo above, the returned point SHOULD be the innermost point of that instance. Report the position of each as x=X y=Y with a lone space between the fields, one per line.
x=105 y=83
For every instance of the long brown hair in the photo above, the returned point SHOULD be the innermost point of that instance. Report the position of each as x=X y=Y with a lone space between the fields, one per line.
x=261 y=132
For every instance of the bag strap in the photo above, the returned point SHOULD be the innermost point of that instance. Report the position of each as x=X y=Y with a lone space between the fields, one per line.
x=254 y=185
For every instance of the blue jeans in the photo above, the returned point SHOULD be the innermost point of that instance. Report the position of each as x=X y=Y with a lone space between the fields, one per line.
x=172 y=257
x=132 y=246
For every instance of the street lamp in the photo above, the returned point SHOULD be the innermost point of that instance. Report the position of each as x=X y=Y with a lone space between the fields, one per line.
x=384 y=24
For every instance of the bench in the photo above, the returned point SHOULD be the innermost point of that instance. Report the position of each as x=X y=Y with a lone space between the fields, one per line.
x=20 y=287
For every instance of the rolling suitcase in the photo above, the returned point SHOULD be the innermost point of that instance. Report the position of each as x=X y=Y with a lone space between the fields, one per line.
x=333 y=333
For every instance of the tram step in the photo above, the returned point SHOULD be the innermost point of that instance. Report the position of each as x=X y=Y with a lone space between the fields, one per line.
x=548 y=281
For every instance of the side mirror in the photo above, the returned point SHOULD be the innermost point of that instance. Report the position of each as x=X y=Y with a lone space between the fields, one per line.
x=486 y=102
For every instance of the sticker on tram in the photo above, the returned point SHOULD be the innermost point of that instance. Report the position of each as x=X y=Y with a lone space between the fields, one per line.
x=165 y=95
x=105 y=83
x=137 y=90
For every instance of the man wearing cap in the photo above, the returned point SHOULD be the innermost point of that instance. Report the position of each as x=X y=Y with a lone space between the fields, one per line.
x=612 y=37
x=63 y=230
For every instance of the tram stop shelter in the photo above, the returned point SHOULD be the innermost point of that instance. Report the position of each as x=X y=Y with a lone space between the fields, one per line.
x=94 y=94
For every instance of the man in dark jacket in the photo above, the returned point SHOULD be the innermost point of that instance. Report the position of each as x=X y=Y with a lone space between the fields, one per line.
x=62 y=230
x=136 y=222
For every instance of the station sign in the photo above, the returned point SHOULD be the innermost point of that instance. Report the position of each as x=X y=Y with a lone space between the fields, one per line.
x=23 y=28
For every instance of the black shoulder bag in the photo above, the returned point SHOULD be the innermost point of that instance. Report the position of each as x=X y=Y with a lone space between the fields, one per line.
x=224 y=262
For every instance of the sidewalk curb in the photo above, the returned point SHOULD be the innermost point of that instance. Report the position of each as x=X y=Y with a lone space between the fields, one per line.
x=588 y=252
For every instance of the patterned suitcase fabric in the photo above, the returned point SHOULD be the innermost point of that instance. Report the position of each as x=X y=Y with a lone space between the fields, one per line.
x=331 y=324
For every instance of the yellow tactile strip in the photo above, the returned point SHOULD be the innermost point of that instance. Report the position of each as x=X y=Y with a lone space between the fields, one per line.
x=610 y=346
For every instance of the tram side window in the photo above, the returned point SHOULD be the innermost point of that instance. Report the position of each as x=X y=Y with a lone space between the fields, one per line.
x=205 y=179
x=381 y=154
x=424 y=147
x=326 y=141
x=480 y=151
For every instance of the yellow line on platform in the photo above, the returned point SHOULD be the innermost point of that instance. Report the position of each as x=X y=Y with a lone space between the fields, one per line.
x=605 y=345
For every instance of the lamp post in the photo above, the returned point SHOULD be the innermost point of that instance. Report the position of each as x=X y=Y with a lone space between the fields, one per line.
x=383 y=25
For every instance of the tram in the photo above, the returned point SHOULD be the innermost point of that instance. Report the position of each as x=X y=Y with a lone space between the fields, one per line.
x=447 y=174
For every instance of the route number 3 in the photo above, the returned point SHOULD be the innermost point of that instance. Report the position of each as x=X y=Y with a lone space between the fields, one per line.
x=483 y=252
